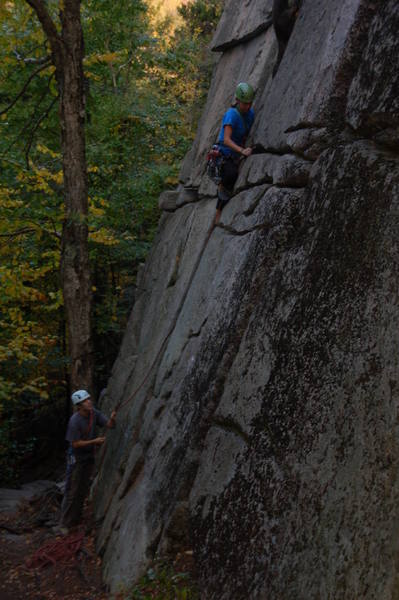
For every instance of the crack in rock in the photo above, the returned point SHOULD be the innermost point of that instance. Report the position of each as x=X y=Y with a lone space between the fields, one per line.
x=233 y=231
x=229 y=425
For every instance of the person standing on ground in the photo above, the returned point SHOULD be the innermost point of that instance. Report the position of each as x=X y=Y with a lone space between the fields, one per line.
x=81 y=437
x=237 y=122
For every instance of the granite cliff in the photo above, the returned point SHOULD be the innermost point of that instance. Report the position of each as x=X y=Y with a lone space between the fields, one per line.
x=259 y=375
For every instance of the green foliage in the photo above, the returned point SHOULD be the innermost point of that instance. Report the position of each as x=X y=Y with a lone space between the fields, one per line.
x=12 y=452
x=201 y=16
x=164 y=583
x=28 y=425
x=146 y=84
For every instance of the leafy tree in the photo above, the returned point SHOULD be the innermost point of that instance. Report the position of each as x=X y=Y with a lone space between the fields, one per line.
x=144 y=82
x=201 y=16
x=65 y=39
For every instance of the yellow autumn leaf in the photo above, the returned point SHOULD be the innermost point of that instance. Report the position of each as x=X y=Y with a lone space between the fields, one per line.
x=102 y=236
x=107 y=57
x=58 y=177
x=44 y=150
x=96 y=212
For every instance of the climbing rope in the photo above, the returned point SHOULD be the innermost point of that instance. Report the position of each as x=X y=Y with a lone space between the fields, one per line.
x=169 y=333
x=174 y=321
x=59 y=550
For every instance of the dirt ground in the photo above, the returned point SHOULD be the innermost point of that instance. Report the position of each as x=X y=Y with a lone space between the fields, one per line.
x=25 y=576
x=34 y=562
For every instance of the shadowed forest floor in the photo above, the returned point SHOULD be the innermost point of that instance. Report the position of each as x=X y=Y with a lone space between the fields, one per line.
x=34 y=562
x=23 y=533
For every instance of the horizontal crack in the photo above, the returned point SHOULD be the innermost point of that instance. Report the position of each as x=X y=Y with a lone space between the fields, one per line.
x=304 y=125
x=232 y=426
x=287 y=151
x=245 y=38
x=289 y=186
x=274 y=151
x=251 y=186
x=233 y=231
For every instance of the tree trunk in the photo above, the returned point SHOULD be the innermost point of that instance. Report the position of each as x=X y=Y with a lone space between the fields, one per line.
x=67 y=50
x=75 y=267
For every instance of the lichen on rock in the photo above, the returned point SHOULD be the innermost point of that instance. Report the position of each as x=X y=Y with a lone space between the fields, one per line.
x=258 y=375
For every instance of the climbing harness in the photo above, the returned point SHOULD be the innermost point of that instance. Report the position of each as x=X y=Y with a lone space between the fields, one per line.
x=214 y=161
x=60 y=550
x=214 y=164
x=71 y=458
x=215 y=157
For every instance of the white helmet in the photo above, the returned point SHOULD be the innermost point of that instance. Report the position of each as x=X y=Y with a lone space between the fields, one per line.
x=79 y=396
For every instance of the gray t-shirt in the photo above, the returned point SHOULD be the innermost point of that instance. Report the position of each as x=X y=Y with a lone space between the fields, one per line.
x=79 y=429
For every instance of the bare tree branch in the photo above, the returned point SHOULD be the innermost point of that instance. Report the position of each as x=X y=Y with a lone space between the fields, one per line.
x=35 y=128
x=17 y=233
x=55 y=232
x=14 y=234
x=29 y=230
x=43 y=228
x=12 y=162
x=37 y=61
x=28 y=120
x=48 y=25
x=21 y=93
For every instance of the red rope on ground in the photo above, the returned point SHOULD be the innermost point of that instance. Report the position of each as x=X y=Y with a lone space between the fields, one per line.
x=60 y=550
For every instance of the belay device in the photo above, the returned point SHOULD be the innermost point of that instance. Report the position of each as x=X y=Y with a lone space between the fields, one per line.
x=214 y=161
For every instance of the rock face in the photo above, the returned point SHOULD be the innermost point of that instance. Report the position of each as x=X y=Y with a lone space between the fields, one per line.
x=258 y=377
x=11 y=500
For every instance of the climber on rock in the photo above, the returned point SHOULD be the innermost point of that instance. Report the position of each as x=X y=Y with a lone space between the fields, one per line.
x=83 y=441
x=237 y=122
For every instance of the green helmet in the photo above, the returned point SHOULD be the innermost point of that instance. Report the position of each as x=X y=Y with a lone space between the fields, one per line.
x=244 y=92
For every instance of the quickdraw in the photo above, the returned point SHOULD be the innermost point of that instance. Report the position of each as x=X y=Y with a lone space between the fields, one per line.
x=214 y=161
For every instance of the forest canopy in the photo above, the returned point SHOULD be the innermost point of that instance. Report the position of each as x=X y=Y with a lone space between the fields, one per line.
x=146 y=78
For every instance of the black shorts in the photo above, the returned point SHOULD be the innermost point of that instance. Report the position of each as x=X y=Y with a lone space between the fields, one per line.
x=229 y=172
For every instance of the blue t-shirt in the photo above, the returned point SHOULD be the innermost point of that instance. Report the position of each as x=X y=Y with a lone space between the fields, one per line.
x=241 y=125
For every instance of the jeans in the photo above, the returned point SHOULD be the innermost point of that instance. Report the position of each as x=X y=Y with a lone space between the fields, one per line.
x=77 y=486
